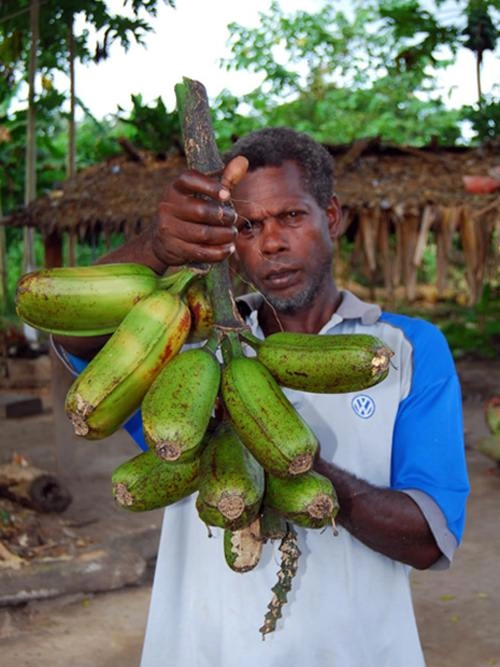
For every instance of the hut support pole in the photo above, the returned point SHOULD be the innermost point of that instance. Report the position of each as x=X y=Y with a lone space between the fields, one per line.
x=53 y=247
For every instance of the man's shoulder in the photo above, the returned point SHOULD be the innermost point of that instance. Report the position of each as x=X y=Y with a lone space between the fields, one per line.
x=416 y=329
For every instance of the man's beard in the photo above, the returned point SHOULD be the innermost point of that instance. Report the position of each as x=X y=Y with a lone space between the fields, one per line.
x=293 y=304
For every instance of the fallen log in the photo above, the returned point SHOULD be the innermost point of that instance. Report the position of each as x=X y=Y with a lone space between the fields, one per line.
x=31 y=487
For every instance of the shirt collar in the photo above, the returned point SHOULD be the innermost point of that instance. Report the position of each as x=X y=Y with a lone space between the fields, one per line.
x=350 y=308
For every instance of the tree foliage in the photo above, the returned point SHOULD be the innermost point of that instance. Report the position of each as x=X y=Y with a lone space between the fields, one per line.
x=341 y=75
x=337 y=74
x=153 y=128
x=56 y=20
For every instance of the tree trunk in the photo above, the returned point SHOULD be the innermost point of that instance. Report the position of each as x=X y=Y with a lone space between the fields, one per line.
x=3 y=268
x=71 y=163
x=30 y=178
x=479 y=57
x=71 y=159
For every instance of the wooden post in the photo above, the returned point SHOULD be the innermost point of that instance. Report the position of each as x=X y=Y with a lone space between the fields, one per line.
x=53 y=247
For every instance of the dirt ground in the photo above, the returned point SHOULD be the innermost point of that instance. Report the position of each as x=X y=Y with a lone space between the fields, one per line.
x=458 y=611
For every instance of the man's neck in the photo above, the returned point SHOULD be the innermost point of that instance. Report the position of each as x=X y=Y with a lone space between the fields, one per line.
x=307 y=320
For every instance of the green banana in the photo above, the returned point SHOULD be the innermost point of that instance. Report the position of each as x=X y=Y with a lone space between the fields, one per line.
x=83 y=300
x=115 y=381
x=265 y=420
x=202 y=314
x=308 y=500
x=489 y=445
x=176 y=409
x=323 y=364
x=231 y=481
x=243 y=548
x=145 y=482
x=492 y=414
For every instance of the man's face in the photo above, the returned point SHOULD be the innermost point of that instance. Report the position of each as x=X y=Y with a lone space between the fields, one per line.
x=284 y=244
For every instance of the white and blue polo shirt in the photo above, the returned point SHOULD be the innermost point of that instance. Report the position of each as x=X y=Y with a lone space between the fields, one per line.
x=349 y=606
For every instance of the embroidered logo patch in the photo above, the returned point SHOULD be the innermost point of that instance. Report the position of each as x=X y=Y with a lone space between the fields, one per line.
x=363 y=406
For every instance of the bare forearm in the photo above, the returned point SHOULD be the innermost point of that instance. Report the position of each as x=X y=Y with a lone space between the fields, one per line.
x=387 y=521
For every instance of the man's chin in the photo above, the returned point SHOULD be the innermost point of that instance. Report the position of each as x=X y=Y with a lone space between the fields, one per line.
x=288 y=305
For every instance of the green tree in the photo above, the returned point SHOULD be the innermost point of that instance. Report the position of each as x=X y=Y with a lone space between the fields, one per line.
x=480 y=34
x=341 y=75
x=38 y=38
x=152 y=127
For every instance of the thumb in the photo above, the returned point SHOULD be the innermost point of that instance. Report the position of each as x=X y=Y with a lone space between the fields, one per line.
x=234 y=172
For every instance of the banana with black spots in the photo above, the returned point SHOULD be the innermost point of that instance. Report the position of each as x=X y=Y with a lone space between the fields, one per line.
x=115 y=381
x=308 y=500
x=82 y=300
x=145 y=482
x=323 y=364
x=265 y=420
x=178 y=406
x=231 y=481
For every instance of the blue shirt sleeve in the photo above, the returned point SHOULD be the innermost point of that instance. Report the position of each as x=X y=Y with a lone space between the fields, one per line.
x=133 y=426
x=428 y=445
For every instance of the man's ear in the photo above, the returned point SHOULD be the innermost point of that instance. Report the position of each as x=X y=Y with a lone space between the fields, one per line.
x=334 y=213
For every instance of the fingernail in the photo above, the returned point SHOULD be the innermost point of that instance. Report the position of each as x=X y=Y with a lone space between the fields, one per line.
x=232 y=248
x=224 y=194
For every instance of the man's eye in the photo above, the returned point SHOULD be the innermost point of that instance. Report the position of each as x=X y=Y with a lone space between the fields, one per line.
x=245 y=226
x=292 y=216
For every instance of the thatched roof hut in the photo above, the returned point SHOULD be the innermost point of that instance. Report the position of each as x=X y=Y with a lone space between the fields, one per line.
x=394 y=197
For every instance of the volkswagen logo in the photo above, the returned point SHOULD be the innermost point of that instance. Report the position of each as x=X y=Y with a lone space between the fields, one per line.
x=363 y=406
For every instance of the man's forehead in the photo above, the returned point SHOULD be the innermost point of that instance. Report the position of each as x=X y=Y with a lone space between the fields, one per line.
x=267 y=187
x=263 y=207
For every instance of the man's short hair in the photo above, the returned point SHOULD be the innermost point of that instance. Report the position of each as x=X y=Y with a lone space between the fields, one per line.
x=270 y=147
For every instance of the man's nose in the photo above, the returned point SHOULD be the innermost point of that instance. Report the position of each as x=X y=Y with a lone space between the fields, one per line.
x=273 y=237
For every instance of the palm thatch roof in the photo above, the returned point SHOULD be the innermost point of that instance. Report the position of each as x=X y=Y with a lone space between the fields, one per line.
x=396 y=200
x=122 y=193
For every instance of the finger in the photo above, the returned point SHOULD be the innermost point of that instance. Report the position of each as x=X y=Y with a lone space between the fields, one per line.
x=202 y=212
x=208 y=234
x=232 y=175
x=195 y=183
x=206 y=253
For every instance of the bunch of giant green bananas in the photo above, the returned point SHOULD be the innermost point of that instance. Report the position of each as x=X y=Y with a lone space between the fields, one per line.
x=216 y=420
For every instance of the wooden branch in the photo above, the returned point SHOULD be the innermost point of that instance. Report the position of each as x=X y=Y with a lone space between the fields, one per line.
x=357 y=149
x=486 y=209
x=203 y=155
x=129 y=148
x=423 y=155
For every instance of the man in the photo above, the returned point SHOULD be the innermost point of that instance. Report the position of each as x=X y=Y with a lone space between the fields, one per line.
x=394 y=452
